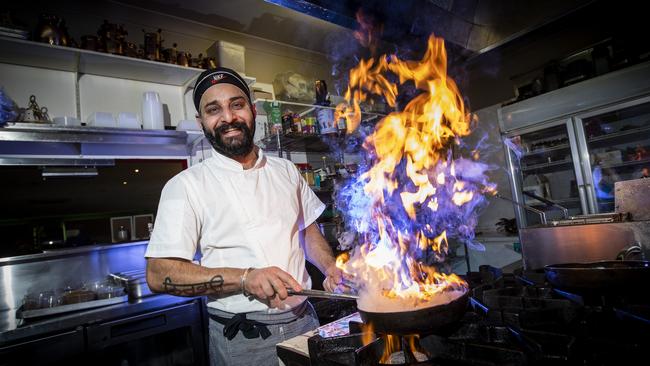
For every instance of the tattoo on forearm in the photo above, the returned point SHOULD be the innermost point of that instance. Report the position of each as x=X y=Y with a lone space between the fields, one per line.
x=215 y=285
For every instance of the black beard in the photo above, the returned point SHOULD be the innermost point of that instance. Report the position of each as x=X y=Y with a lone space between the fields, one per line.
x=234 y=147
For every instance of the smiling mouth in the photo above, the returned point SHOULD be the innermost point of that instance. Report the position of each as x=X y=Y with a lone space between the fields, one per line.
x=232 y=132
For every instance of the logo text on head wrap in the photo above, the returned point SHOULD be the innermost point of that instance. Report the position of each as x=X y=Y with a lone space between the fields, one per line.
x=216 y=78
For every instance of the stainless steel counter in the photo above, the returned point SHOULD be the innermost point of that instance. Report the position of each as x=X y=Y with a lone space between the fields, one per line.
x=13 y=329
x=542 y=246
x=65 y=267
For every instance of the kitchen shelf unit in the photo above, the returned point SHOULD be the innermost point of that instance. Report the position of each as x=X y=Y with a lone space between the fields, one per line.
x=77 y=82
x=73 y=83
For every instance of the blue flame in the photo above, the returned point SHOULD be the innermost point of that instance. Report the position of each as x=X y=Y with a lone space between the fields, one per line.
x=359 y=208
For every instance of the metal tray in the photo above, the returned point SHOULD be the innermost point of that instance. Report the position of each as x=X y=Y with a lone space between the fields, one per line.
x=28 y=314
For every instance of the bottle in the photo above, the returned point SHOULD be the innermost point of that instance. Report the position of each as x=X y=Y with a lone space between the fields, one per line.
x=296 y=126
x=275 y=116
x=317 y=180
x=122 y=234
x=287 y=122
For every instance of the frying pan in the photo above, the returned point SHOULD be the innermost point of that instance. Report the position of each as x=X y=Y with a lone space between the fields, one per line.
x=430 y=320
x=601 y=277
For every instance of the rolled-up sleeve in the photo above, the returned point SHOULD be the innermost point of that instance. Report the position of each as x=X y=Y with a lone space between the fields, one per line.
x=177 y=227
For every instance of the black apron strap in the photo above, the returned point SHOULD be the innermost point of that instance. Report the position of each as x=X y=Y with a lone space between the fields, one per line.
x=249 y=328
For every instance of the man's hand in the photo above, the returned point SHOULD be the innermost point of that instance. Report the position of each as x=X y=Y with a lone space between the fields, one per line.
x=269 y=285
x=336 y=281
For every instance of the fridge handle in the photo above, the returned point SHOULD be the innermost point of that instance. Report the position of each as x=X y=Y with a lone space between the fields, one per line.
x=592 y=199
x=583 y=198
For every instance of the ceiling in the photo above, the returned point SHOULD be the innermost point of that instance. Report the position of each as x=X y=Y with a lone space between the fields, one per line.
x=473 y=25
x=253 y=17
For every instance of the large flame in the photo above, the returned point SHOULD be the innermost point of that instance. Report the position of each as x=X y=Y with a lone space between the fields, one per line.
x=412 y=194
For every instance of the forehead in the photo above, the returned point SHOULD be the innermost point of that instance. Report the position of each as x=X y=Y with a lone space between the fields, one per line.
x=221 y=93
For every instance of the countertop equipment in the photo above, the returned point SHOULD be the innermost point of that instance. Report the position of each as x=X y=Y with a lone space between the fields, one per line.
x=588 y=238
x=135 y=283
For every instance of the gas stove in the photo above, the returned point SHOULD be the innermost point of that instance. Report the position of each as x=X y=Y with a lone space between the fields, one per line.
x=513 y=319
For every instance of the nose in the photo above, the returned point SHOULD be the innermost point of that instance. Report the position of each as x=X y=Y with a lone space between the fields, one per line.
x=227 y=116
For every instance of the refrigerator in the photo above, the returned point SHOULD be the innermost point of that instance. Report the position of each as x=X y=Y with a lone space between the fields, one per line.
x=566 y=149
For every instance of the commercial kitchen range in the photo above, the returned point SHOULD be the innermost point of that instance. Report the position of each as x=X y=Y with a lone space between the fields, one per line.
x=512 y=319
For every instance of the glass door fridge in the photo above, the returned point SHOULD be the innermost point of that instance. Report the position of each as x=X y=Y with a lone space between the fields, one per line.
x=543 y=161
x=614 y=145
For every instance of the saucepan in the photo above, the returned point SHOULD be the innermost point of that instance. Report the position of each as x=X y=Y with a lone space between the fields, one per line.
x=434 y=319
x=600 y=277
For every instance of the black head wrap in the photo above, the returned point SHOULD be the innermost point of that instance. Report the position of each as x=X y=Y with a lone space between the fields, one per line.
x=219 y=75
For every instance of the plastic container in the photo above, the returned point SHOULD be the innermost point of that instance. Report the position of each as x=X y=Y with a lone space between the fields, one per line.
x=101 y=119
x=66 y=121
x=128 y=120
x=230 y=55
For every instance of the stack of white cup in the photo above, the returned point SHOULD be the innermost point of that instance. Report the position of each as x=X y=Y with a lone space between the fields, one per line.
x=152 y=111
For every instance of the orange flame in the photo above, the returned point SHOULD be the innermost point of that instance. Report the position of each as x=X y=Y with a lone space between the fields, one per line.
x=392 y=343
x=419 y=135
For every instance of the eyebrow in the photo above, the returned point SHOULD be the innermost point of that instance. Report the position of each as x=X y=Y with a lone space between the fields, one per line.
x=216 y=103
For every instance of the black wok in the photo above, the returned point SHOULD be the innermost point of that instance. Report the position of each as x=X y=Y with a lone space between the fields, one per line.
x=601 y=277
x=435 y=319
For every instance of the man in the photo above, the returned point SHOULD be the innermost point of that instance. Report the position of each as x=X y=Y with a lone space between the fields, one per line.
x=252 y=218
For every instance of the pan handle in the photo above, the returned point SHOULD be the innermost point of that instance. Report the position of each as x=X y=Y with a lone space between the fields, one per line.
x=565 y=211
x=541 y=213
x=323 y=294
x=625 y=253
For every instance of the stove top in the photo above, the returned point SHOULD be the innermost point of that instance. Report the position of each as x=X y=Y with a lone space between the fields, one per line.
x=513 y=319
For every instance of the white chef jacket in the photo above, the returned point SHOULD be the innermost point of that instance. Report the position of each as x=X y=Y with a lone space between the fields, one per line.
x=237 y=218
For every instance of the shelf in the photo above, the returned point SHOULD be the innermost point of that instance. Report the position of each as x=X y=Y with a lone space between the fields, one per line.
x=43 y=55
x=47 y=132
x=548 y=150
x=48 y=144
x=571 y=201
x=304 y=108
x=615 y=138
x=544 y=166
x=313 y=143
x=626 y=163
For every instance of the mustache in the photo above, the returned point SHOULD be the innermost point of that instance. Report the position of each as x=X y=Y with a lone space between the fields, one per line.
x=234 y=125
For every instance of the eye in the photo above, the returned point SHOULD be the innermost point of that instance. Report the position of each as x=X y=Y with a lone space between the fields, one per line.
x=238 y=105
x=211 y=110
